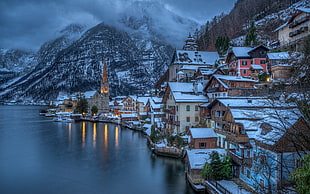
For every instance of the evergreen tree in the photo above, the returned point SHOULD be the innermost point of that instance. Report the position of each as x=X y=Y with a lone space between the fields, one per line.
x=222 y=44
x=94 y=110
x=301 y=176
x=217 y=169
x=81 y=106
x=251 y=37
x=216 y=166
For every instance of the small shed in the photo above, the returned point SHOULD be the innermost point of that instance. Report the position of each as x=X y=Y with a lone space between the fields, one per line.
x=202 y=138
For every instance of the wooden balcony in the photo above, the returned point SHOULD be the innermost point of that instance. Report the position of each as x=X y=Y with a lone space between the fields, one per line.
x=170 y=111
x=238 y=138
x=239 y=159
x=177 y=123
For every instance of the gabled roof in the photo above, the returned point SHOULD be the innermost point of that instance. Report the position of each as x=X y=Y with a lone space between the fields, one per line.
x=241 y=52
x=250 y=102
x=222 y=78
x=195 y=57
x=183 y=87
x=183 y=97
x=89 y=94
x=202 y=132
x=279 y=55
x=198 y=157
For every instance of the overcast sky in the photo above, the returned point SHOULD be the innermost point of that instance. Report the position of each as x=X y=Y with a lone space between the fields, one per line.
x=28 y=24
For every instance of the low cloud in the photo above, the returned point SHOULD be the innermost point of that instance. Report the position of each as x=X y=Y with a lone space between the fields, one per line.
x=28 y=24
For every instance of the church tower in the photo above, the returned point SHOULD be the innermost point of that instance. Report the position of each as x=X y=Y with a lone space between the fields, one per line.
x=104 y=90
x=190 y=44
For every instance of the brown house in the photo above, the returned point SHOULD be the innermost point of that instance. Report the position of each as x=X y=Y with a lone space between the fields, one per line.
x=223 y=86
x=202 y=138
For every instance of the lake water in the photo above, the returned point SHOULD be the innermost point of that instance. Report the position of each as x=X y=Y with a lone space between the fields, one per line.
x=38 y=155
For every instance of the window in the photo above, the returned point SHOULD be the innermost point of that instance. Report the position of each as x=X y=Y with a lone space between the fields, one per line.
x=188 y=119
x=248 y=174
x=188 y=108
x=262 y=61
x=202 y=145
x=244 y=63
x=196 y=108
x=261 y=182
x=196 y=119
x=244 y=71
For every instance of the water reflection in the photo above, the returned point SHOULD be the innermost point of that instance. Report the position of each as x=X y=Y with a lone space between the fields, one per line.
x=81 y=157
x=106 y=138
x=69 y=132
x=116 y=136
x=83 y=134
x=94 y=134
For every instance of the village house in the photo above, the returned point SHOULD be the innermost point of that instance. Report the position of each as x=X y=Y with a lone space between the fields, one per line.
x=295 y=29
x=202 y=138
x=278 y=64
x=181 y=106
x=194 y=163
x=223 y=86
x=255 y=132
x=130 y=104
x=247 y=61
x=154 y=110
x=116 y=105
x=205 y=74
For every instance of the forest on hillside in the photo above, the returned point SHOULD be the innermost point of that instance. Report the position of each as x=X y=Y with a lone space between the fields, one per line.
x=236 y=23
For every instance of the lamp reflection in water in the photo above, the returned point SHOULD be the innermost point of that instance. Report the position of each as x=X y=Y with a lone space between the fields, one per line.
x=83 y=133
x=69 y=132
x=94 y=134
x=116 y=136
x=106 y=137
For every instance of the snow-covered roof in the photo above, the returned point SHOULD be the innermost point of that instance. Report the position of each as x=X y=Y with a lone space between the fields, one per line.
x=304 y=9
x=196 y=57
x=253 y=102
x=89 y=94
x=190 y=67
x=279 y=55
x=241 y=51
x=182 y=97
x=202 y=132
x=221 y=79
x=257 y=67
x=129 y=115
x=280 y=27
x=143 y=99
x=232 y=78
x=198 y=157
x=184 y=87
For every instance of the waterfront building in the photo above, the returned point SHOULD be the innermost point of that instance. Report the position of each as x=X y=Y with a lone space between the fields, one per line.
x=181 y=106
x=260 y=136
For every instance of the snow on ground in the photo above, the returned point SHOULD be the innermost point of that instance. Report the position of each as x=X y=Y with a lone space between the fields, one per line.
x=232 y=187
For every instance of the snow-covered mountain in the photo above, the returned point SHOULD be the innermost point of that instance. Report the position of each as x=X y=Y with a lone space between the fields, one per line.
x=138 y=49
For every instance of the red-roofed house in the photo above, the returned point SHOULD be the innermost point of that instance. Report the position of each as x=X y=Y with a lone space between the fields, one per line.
x=245 y=61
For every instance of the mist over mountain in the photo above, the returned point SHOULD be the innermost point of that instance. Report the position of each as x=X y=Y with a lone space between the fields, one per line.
x=138 y=48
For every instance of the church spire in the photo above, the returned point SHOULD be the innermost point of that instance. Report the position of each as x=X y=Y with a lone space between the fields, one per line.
x=104 y=88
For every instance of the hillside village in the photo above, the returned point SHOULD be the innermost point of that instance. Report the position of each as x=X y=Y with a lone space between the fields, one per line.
x=244 y=105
